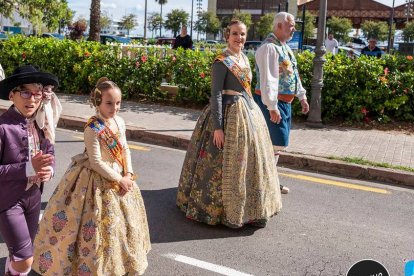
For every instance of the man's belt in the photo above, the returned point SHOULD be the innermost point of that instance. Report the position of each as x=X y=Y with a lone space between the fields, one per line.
x=287 y=98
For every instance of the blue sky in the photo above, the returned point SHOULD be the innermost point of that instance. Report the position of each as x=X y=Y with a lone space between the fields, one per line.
x=118 y=8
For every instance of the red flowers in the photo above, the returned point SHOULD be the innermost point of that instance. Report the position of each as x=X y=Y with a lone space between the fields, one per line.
x=410 y=58
x=87 y=54
x=24 y=56
x=202 y=75
x=364 y=111
x=144 y=58
x=137 y=64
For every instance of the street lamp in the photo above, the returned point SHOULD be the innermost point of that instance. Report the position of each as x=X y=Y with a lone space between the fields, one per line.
x=303 y=25
x=145 y=21
x=314 y=118
x=191 y=23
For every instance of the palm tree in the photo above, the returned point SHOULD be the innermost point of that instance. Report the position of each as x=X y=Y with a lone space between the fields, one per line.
x=95 y=16
x=161 y=2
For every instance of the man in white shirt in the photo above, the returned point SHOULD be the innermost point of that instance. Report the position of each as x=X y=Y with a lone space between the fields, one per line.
x=278 y=82
x=331 y=44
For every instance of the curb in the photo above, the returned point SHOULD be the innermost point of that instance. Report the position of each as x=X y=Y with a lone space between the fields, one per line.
x=289 y=160
x=349 y=170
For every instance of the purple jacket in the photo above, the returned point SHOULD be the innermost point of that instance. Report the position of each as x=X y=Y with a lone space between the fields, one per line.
x=14 y=153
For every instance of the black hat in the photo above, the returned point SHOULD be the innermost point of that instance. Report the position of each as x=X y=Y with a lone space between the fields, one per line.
x=24 y=75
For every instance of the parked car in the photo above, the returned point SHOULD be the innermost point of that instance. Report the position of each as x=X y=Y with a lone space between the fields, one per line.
x=3 y=36
x=212 y=42
x=357 y=43
x=53 y=35
x=348 y=51
x=309 y=48
x=252 y=45
x=114 y=39
x=168 y=41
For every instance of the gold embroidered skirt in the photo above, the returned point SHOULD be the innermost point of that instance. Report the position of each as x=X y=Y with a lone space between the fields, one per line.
x=88 y=229
x=237 y=185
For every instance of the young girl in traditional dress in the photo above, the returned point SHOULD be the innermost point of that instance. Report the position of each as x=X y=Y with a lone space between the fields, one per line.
x=26 y=161
x=95 y=222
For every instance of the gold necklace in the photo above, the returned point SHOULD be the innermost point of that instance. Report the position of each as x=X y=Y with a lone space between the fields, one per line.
x=237 y=57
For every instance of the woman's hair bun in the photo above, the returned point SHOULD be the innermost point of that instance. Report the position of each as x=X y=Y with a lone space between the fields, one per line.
x=101 y=80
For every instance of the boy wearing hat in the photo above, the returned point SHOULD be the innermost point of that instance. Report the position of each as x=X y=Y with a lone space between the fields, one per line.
x=26 y=162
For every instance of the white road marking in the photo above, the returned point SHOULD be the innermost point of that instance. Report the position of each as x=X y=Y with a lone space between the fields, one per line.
x=205 y=265
x=40 y=216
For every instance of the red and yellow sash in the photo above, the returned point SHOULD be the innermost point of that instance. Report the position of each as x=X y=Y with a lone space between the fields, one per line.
x=108 y=140
x=241 y=74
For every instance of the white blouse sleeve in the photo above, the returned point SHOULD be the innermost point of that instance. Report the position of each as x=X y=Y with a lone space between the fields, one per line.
x=301 y=94
x=93 y=149
x=267 y=62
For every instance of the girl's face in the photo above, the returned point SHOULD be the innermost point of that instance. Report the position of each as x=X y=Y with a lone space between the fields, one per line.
x=237 y=37
x=111 y=103
x=27 y=100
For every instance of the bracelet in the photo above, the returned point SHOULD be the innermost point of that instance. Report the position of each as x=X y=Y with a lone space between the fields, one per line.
x=133 y=176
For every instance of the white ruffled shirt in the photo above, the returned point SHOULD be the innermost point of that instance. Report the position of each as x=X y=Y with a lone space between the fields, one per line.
x=267 y=60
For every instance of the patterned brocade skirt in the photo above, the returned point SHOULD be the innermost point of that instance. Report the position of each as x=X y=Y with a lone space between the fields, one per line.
x=88 y=229
x=236 y=185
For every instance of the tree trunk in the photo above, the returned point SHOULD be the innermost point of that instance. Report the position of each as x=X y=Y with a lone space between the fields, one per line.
x=94 y=27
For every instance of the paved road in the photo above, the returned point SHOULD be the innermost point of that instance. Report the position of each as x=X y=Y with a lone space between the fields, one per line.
x=326 y=225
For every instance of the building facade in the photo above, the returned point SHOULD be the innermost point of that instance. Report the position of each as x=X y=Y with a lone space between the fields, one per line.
x=256 y=8
x=358 y=11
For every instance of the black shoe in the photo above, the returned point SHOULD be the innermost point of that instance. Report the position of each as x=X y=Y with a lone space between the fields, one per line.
x=260 y=223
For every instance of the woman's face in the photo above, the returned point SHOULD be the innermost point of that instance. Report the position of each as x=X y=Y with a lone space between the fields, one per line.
x=184 y=30
x=111 y=103
x=237 y=37
x=27 y=100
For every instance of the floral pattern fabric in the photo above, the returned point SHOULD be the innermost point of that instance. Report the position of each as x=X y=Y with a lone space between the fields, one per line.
x=88 y=229
x=237 y=185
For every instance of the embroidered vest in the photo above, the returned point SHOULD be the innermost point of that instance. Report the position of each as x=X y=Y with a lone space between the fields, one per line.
x=288 y=72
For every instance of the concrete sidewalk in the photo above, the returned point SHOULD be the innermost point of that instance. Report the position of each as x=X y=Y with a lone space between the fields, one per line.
x=309 y=148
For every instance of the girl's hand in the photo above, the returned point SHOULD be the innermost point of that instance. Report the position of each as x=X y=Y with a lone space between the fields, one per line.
x=126 y=185
x=218 y=139
x=131 y=176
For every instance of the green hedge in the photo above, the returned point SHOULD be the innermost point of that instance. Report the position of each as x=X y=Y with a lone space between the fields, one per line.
x=361 y=89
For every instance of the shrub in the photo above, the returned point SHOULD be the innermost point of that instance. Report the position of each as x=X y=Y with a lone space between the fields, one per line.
x=361 y=89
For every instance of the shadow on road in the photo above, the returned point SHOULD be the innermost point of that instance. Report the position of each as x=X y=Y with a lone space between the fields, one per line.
x=168 y=224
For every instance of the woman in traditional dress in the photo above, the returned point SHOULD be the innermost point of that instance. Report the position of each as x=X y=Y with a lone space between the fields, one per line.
x=229 y=174
x=95 y=222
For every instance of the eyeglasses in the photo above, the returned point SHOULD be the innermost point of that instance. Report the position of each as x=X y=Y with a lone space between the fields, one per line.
x=28 y=95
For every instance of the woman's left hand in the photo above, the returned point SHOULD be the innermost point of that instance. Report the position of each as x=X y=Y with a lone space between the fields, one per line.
x=218 y=139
